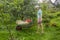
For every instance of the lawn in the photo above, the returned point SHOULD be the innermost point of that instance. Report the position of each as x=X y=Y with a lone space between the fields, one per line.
x=51 y=32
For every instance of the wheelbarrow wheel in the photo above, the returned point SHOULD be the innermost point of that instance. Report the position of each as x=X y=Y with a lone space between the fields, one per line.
x=18 y=27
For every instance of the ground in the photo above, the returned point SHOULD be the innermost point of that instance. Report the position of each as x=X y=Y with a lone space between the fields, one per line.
x=30 y=34
x=51 y=32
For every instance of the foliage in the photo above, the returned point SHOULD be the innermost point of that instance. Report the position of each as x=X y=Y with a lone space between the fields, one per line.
x=12 y=10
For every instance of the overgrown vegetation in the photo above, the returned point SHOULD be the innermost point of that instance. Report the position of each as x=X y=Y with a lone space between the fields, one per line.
x=12 y=10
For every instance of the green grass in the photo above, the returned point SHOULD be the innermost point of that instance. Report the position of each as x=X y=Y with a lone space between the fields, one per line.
x=50 y=33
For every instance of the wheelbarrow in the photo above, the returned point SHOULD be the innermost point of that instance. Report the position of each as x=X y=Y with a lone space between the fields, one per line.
x=23 y=24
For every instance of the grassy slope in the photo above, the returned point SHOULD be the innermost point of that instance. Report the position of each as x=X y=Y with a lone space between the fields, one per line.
x=51 y=33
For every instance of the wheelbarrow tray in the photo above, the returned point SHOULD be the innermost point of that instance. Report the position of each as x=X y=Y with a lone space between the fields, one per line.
x=25 y=25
